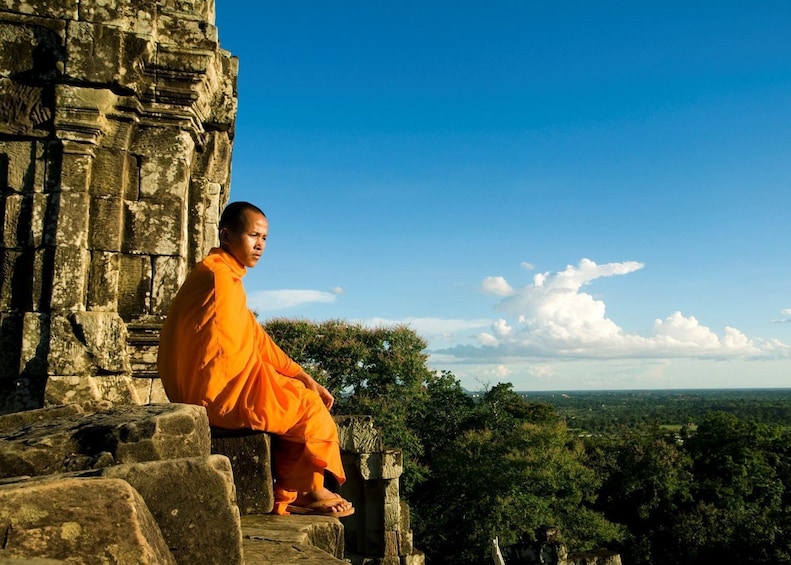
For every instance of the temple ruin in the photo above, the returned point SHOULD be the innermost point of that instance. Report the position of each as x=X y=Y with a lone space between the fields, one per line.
x=116 y=132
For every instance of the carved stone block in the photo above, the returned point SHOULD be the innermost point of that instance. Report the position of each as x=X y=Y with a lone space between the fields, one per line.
x=25 y=39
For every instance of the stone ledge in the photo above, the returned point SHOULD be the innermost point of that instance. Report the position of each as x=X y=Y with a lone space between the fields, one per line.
x=268 y=539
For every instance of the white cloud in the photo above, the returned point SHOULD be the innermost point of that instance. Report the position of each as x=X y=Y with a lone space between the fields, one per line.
x=268 y=300
x=527 y=266
x=497 y=286
x=501 y=327
x=786 y=319
x=554 y=318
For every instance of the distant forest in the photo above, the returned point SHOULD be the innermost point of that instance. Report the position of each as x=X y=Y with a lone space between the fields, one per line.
x=610 y=411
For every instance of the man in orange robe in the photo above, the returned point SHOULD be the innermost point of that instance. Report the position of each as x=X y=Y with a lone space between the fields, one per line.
x=214 y=353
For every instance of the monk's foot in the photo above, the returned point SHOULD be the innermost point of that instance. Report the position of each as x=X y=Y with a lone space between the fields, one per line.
x=324 y=501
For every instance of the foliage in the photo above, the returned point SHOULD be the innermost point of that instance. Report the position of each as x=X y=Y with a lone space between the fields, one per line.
x=512 y=470
x=715 y=486
x=379 y=372
x=717 y=493
x=473 y=470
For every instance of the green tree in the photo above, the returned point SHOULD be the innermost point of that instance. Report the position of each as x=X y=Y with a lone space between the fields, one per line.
x=472 y=470
x=646 y=482
x=742 y=491
x=380 y=372
x=513 y=470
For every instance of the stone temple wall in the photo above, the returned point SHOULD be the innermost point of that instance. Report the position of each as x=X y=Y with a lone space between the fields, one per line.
x=116 y=132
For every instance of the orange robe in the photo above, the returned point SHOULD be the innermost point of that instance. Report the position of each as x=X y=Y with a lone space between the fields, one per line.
x=214 y=353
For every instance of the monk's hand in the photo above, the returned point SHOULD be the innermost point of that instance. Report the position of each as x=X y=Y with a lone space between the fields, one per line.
x=326 y=397
x=324 y=394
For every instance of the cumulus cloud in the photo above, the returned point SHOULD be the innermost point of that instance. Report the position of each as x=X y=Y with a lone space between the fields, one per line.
x=268 y=300
x=553 y=317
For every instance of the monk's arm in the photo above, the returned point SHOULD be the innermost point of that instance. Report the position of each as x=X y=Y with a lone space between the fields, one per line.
x=288 y=367
x=311 y=384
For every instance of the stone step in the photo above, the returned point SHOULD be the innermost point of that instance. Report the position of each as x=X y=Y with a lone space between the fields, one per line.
x=268 y=539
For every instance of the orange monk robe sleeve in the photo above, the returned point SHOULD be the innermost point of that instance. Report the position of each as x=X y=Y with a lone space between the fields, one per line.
x=251 y=375
x=271 y=353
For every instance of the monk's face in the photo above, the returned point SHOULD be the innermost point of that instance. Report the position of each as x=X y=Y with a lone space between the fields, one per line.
x=248 y=244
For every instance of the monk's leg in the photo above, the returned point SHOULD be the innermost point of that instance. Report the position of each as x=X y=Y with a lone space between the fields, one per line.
x=299 y=479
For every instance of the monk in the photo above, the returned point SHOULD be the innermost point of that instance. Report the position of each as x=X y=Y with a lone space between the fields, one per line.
x=214 y=353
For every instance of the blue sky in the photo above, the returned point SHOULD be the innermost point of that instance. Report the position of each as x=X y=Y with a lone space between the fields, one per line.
x=564 y=196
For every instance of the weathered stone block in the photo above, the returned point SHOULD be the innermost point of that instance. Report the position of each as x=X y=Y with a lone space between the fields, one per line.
x=26 y=222
x=64 y=9
x=392 y=515
x=134 y=286
x=103 y=282
x=204 y=214
x=213 y=163
x=392 y=491
x=72 y=218
x=12 y=292
x=28 y=417
x=95 y=393
x=75 y=174
x=86 y=343
x=106 y=223
x=135 y=17
x=189 y=498
x=192 y=32
x=25 y=37
x=381 y=465
x=250 y=455
x=108 y=54
x=35 y=344
x=169 y=273
x=128 y=434
x=164 y=174
x=21 y=168
x=69 y=278
x=83 y=520
x=322 y=532
x=114 y=176
x=153 y=227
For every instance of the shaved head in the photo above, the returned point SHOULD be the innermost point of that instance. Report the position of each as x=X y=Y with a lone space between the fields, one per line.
x=234 y=217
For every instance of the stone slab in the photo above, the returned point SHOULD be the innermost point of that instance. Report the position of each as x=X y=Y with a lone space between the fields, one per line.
x=127 y=434
x=271 y=539
x=83 y=521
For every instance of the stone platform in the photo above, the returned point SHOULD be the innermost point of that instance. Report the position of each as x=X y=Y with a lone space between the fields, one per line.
x=69 y=477
x=274 y=540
